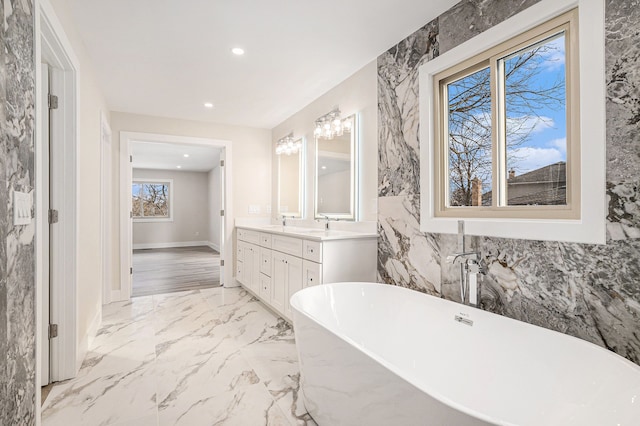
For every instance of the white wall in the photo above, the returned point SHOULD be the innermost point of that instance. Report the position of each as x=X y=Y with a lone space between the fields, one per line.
x=215 y=205
x=92 y=103
x=251 y=160
x=190 y=222
x=357 y=94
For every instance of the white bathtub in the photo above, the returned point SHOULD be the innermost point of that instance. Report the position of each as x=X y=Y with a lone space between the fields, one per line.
x=383 y=355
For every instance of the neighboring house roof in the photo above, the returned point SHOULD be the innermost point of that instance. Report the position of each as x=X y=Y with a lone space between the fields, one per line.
x=552 y=183
x=556 y=172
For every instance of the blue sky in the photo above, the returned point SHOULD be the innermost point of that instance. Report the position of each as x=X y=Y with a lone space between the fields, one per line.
x=547 y=143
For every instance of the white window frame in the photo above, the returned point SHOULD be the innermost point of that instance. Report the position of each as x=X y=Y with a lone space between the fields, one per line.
x=138 y=219
x=591 y=226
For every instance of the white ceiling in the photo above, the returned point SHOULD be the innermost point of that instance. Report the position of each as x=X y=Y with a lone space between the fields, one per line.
x=166 y=156
x=166 y=58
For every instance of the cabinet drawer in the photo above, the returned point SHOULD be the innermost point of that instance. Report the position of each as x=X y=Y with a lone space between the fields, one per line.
x=292 y=246
x=265 y=261
x=265 y=287
x=248 y=236
x=311 y=273
x=312 y=250
x=265 y=240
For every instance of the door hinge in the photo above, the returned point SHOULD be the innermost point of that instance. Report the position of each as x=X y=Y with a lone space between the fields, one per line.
x=221 y=163
x=221 y=212
x=222 y=262
x=53 y=331
x=52 y=101
x=131 y=271
x=53 y=216
x=131 y=158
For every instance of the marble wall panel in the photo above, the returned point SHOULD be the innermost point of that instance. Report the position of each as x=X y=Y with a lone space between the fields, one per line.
x=17 y=266
x=622 y=57
x=588 y=291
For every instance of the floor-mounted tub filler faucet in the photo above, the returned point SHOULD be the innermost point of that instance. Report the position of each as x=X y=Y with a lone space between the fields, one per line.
x=470 y=266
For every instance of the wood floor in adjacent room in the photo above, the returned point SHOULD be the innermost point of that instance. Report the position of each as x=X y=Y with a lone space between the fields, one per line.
x=167 y=270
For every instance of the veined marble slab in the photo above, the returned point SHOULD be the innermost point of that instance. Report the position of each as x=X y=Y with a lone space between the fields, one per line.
x=193 y=358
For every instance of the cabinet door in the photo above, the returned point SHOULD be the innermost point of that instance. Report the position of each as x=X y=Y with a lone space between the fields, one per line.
x=278 y=280
x=255 y=269
x=311 y=273
x=294 y=281
x=247 y=274
x=240 y=272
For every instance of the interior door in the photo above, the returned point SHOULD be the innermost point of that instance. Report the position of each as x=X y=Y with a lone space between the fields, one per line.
x=222 y=213
x=44 y=213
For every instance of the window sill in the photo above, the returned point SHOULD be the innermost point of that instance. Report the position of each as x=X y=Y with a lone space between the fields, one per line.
x=148 y=220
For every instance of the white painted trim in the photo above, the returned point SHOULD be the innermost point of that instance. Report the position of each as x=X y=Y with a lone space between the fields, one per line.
x=106 y=166
x=126 y=243
x=88 y=338
x=53 y=45
x=591 y=228
x=116 y=296
x=170 y=245
x=215 y=247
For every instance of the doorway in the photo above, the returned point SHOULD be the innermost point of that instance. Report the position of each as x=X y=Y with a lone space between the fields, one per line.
x=55 y=201
x=167 y=241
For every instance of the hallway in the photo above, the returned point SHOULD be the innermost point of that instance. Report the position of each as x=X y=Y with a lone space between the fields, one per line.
x=211 y=356
x=168 y=270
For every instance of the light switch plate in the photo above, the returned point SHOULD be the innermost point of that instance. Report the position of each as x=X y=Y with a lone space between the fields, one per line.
x=21 y=208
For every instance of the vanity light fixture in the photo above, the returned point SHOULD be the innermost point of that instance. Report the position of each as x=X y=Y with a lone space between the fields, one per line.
x=288 y=145
x=331 y=125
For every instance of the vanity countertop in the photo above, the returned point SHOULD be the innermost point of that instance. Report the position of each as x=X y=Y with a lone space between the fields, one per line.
x=309 y=233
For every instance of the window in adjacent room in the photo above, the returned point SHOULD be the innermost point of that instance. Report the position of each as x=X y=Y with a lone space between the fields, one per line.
x=151 y=199
x=506 y=128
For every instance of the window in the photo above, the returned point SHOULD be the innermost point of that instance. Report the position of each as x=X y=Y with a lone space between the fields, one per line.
x=540 y=211
x=151 y=199
x=507 y=128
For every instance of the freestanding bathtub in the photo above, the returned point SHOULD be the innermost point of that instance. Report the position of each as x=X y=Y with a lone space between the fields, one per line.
x=374 y=354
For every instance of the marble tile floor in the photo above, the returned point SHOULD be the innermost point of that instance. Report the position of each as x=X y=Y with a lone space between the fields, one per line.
x=204 y=357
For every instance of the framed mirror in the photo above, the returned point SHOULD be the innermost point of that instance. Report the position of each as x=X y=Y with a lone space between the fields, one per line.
x=291 y=183
x=336 y=184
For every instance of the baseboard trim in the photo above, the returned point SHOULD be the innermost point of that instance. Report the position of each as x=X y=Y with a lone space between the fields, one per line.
x=170 y=245
x=87 y=339
x=117 y=296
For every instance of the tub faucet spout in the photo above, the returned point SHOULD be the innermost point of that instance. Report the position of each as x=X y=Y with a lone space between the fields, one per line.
x=471 y=265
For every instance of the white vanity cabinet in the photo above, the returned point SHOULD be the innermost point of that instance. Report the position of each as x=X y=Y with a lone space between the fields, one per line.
x=274 y=265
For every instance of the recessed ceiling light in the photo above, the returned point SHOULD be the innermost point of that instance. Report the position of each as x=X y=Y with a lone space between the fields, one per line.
x=237 y=51
x=178 y=167
x=324 y=167
x=208 y=105
x=186 y=155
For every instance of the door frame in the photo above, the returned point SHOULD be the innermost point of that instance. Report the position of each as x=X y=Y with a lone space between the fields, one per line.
x=106 y=210
x=53 y=47
x=126 y=234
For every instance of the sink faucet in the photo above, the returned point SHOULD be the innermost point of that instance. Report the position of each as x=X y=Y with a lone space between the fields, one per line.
x=284 y=220
x=326 y=223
